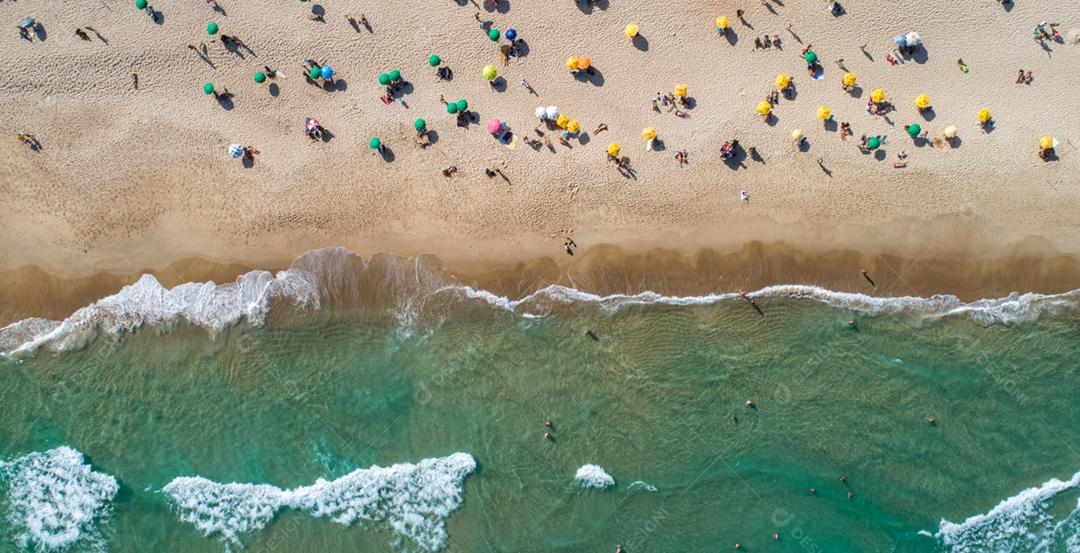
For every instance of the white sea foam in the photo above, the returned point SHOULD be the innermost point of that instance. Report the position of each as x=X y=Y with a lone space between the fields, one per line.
x=55 y=501
x=413 y=499
x=641 y=485
x=335 y=276
x=594 y=476
x=1023 y=522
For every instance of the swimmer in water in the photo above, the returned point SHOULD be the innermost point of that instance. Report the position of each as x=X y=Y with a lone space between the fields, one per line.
x=547 y=423
x=750 y=404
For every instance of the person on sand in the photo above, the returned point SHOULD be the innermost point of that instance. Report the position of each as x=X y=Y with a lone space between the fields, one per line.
x=680 y=157
x=844 y=131
x=757 y=43
x=569 y=245
x=449 y=170
x=600 y=128
x=250 y=152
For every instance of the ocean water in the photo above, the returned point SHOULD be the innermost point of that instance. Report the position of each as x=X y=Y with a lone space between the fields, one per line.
x=351 y=405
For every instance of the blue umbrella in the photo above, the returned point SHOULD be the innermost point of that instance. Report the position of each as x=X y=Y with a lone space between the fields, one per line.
x=327 y=72
x=900 y=40
x=510 y=34
x=236 y=150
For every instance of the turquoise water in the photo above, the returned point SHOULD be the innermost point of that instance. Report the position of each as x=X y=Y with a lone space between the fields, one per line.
x=651 y=400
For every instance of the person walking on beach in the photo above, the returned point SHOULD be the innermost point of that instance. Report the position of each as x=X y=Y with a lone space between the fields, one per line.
x=569 y=246
x=866 y=275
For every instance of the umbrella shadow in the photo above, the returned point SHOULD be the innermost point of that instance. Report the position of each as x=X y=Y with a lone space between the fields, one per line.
x=498 y=84
x=521 y=48
x=339 y=85
x=830 y=125
x=225 y=101
x=39 y=31
x=584 y=138
x=856 y=92
x=879 y=154
x=689 y=102
x=919 y=56
x=327 y=136
x=928 y=114
x=640 y=42
x=804 y=145
x=771 y=119
x=432 y=136
x=387 y=154
x=658 y=145
x=591 y=75
x=954 y=142
x=274 y=90
x=731 y=36
x=791 y=92
x=318 y=11
x=158 y=17
x=248 y=161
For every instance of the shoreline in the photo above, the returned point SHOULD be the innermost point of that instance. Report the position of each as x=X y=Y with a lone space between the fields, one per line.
x=30 y=292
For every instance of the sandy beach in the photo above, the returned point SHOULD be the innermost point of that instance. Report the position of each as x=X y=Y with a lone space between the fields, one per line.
x=133 y=180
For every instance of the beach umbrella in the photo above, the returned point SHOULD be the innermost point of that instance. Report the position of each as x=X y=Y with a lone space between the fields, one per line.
x=420 y=125
x=811 y=57
x=451 y=108
x=922 y=101
x=312 y=125
x=648 y=133
x=572 y=63
x=584 y=62
x=541 y=113
x=913 y=39
x=260 y=77
x=314 y=73
x=212 y=28
x=823 y=113
x=796 y=135
x=630 y=30
x=494 y=126
x=984 y=115
x=27 y=22
x=494 y=34
x=763 y=108
x=434 y=60
x=782 y=81
x=1046 y=142
x=874 y=143
x=384 y=79
x=950 y=131
x=489 y=72
x=722 y=22
x=395 y=75
x=463 y=105
x=914 y=129
x=236 y=150
x=140 y=4
x=849 y=79
x=573 y=127
x=613 y=150
x=680 y=90
x=327 y=72
x=877 y=95
x=900 y=40
x=510 y=34
x=208 y=88
x=562 y=120
x=374 y=143
x=552 y=112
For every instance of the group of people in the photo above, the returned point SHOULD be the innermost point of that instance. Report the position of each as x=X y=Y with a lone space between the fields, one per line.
x=766 y=42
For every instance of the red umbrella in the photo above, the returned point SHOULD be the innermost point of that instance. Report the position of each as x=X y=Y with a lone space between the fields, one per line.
x=494 y=126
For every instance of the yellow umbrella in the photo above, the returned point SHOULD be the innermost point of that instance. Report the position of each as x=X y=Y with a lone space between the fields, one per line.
x=562 y=120
x=849 y=79
x=573 y=126
x=613 y=150
x=649 y=133
x=877 y=95
x=796 y=135
x=571 y=63
x=1046 y=142
x=823 y=113
x=630 y=30
x=950 y=131
x=722 y=22
x=680 y=90
x=984 y=115
x=763 y=108
x=921 y=101
x=782 y=80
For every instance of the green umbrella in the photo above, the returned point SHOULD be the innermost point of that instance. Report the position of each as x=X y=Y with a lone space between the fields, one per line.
x=494 y=34
x=434 y=60
x=462 y=105
x=140 y=4
x=314 y=73
x=451 y=108
x=419 y=125
x=375 y=143
x=260 y=77
x=212 y=29
x=395 y=75
x=811 y=57
x=874 y=143
x=208 y=88
x=384 y=79
x=914 y=130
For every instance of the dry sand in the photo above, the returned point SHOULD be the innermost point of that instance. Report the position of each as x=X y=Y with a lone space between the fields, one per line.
x=132 y=180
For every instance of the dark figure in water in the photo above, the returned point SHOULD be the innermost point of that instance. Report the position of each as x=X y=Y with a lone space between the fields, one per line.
x=866 y=275
x=591 y=334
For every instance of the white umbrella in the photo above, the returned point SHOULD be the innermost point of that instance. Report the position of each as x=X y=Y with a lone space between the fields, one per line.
x=236 y=150
x=913 y=38
x=552 y=112
x=541 y=113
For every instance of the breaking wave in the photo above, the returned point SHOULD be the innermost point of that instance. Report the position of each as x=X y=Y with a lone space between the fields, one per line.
x=55 y=500
x=415 y=289
x=413 y=499
x=594 y=477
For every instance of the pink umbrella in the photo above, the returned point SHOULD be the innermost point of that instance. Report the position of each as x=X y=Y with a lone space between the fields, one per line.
x=494 y=126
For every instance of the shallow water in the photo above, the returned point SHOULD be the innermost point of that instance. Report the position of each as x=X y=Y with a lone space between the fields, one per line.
x=651 y=401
